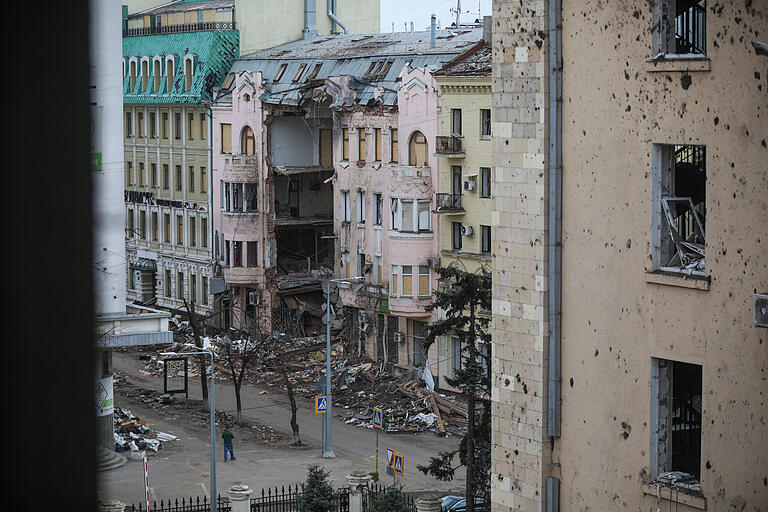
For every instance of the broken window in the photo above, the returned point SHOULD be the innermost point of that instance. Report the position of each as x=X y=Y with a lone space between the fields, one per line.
x=252 y=253
x=485 y=182
x=361 y=207
x=345 y=214
x=300 y=71
x=679 y=203
x=237 y=254
x=485 y=123
x=679 y=27
x=676 y=390
x=456 y=122
x=485 y=232
x=424 y=212
x=377 y=209
x=315 y=71
x=251 y=200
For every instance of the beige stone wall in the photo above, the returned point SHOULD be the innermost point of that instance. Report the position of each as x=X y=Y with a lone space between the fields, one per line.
x=520 y=460
x=614 y=320
x=617 y=316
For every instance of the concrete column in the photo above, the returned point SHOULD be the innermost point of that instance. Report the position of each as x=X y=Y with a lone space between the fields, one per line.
x=110 y=506
x=240 y=498
x=356 y=482
x=428 y=503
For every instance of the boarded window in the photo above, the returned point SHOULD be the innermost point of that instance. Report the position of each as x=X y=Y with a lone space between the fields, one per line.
x=424 y=281
x=393 y=146
x=226 y=138
x=377 y=144
x=407 y=280
x=345 y=144
x=361 y=149
x=417 y=150
x=247 y=142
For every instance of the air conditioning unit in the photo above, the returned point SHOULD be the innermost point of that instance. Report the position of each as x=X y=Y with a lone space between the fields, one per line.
x=433 y=262
x=466 y=230
x=399 y=337
x=761 y=310
x=254 y=298
x=470 y=185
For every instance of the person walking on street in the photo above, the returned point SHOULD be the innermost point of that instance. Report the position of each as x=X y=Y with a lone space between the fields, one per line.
x=228 y=436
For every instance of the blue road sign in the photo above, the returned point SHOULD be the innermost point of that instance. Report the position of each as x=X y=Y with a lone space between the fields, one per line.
x=398 y=463
x=321 y=404
x=377 y=415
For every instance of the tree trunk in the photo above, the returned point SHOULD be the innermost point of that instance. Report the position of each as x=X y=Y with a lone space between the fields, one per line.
x=190 y=306
x=471 y=484
x=292 y=399
x=238 y=401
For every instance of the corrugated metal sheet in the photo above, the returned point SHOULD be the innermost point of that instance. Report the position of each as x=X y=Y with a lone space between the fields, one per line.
x=216 y=51
x=352 y=55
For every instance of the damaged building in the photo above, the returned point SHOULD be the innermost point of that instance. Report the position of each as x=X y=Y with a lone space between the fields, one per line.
x=630 y=259
x=326 y=168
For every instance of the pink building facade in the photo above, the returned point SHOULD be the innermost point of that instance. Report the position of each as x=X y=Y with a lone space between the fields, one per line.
x=339 y=183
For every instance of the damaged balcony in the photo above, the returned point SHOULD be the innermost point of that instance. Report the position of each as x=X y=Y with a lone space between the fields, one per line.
x=449 y=145
x=450 y=204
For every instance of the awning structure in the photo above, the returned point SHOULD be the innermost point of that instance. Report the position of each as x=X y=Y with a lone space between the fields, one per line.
x=145 y=265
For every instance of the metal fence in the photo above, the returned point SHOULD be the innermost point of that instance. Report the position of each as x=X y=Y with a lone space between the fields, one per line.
x=277 y=500
x=185 y=505
x=377 y=490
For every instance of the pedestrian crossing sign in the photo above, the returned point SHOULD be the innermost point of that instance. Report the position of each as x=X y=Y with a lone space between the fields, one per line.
x=321 y=404
x=398 y=463
x=377 y=415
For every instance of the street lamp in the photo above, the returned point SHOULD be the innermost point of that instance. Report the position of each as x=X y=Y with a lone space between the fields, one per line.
x=328 y=453
x=214 y=497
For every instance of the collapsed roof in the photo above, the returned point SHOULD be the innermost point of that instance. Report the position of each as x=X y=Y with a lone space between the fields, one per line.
x=357 y=69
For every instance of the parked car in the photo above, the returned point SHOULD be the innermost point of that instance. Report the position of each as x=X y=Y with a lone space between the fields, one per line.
x=452 y=503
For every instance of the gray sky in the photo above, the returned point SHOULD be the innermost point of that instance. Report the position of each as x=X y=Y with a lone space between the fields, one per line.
x=419 y=11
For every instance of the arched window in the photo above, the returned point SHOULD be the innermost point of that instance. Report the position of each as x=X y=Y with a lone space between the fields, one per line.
x=247 y=142
x=168 y=75
x=188 y=74
x=144 y=75
x=132 y=76
x=417 y=150
x=157 y=72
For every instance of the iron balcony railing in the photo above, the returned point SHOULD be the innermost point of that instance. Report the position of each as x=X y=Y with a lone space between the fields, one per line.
x=186 y=27
x=448 y=202
x=448 y=145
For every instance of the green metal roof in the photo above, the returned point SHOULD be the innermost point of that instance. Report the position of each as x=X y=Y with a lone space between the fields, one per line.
x=216 y=50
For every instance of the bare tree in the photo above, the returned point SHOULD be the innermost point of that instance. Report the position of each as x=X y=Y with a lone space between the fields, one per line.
x=194 y=322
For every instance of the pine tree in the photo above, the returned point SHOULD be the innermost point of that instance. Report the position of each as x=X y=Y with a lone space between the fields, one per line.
x=316 y=493
x=461 y=296
x=392 y=501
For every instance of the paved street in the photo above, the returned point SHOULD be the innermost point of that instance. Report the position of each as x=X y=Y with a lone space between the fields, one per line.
x=181 y=468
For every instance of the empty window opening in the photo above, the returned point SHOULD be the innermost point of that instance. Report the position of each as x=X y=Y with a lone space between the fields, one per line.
x=676 y=407
x=679 y=207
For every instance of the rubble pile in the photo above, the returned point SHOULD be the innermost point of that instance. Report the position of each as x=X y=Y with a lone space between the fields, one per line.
x=133 y=434
x=359 y=384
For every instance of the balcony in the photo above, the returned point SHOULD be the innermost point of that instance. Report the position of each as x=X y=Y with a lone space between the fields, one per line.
x=175 y=29
x=450 y=146
x=448 y=203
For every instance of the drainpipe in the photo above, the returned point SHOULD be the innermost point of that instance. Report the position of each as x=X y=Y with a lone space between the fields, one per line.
x=337 y=21
x=310 y=19
x=555 y=218
x=433 y=28
x=332 y=4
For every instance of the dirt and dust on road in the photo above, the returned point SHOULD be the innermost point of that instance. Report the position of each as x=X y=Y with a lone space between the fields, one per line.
x=264 y=458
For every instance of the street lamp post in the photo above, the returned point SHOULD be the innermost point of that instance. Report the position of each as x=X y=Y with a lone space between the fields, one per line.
x=328 y=453
x=214 y=497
